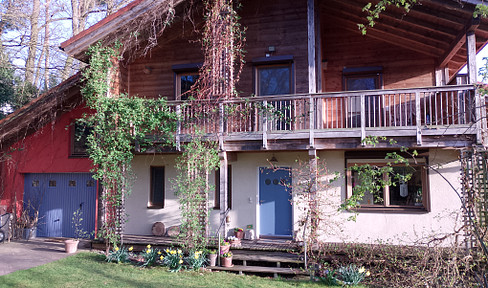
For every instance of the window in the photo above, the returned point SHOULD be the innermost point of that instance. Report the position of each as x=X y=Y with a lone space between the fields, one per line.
x=156 y=197
x=186 y=75
x=184 y=83
x=79 y=135
x=229 y=188
x=274 y=76
x=400 y=195
x=363 y=78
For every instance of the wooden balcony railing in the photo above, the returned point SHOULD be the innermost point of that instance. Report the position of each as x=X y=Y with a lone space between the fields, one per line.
x=387 y=110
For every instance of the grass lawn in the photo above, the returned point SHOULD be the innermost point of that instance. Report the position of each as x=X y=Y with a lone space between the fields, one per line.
x=90 y=270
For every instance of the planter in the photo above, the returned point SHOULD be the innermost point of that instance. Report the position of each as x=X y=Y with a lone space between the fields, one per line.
x=30 y=233
x=71 y=245
x=239 y=234
x=212 y=259
x=235 y=243
x=226 y=261
x=224 y=249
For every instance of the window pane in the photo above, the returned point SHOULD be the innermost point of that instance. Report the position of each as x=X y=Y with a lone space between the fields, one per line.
x=361 y=83
x=274 y=80
x=157 y=185
x=368 y=198
x=407 y=193
x=186 y=81
x=80 y=136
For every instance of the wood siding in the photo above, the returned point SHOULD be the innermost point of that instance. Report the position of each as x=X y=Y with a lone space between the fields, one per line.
x=344 y=46
x=282 y=24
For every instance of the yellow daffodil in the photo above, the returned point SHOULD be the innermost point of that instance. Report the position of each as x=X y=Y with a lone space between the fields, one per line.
x=148 y=246
x=367 y=274
x=131 y=248
x=162 y=257
x=148 y=251
x=181 y=261
x=173 y=252
x=116 y=248
x=179 y=251
x=361 y=270
x=167 y=250
x=196 y=256
x=159 y=252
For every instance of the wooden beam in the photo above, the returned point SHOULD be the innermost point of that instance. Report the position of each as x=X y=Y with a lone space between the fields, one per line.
x=392 y=38
x=312 y=79
x=471 y=48
x=458 y=42
x=223 y=189
x=388 y=24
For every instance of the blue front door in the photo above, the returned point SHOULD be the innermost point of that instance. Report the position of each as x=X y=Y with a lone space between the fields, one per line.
x=275 y=202
x=57 y=196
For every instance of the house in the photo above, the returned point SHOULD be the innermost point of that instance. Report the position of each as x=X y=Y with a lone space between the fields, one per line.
x=333 y=87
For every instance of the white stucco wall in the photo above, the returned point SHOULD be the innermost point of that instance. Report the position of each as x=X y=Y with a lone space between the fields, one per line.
x=401 y=227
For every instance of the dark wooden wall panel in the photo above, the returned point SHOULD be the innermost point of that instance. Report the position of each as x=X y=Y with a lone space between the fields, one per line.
x=402 y=68
x=269 y=23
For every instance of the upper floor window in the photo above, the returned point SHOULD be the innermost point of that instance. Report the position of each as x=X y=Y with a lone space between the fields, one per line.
x=79 y=135
x=229 y=188
x=401 y=193
x=186 y=75
x=274 y=75
x=362 y=78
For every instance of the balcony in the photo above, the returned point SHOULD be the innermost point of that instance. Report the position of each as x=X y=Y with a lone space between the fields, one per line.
x=427 y=117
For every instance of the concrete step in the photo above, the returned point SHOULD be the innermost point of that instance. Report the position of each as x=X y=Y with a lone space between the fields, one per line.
x=267 y=256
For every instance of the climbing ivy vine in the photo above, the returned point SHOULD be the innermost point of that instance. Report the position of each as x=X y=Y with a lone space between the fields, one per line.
x=117 y=123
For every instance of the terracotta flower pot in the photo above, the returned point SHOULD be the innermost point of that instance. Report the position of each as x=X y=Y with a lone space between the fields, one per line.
x=224 y=249
x=226 y=261
x=71 y=245
x=239 y=234
x=235 y=243
x=212 y=259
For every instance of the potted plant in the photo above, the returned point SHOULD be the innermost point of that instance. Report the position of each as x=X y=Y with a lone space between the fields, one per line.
x=239 y=232
x=227 y=259
x=71 y=245
x=212 y=258
x=224 y=246
x=234 y=241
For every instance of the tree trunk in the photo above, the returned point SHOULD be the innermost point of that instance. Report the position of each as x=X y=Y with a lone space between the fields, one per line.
x=34 y=36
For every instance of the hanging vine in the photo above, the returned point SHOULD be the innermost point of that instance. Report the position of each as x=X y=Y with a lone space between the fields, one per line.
x=118 y=122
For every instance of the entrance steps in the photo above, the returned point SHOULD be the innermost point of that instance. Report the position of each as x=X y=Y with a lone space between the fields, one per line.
x=260 y=262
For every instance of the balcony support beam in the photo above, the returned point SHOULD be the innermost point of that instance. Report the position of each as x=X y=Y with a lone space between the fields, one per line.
x=312 y=80
x=471 y=55
x=312 y=121
x=223 y=188
x=178 y=128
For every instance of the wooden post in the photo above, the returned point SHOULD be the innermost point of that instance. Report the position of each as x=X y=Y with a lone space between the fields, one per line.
x=471 y=55
x=221 y=126
x=312 y=80
x=418 y=118
x=363 y=119
x=312 y=122
x=223 y=189
x=265 y=125
x=178 y=127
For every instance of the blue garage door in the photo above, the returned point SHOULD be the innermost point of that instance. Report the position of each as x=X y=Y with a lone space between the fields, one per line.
x=57 y=196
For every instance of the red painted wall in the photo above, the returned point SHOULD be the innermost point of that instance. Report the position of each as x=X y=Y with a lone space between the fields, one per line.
x=45 y=151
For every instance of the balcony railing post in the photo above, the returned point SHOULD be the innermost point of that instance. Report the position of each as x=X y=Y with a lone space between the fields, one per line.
x=418 y=118
x=178 y=127
x=221 y=126
x=312 y=121
x=265 y=124
x=363 y=119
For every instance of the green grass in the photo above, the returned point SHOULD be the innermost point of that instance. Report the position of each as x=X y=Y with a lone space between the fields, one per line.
x=90 y=270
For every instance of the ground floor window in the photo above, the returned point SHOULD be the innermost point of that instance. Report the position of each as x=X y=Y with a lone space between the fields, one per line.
x=400 y=187
x=229 y=188
x=156 y=197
